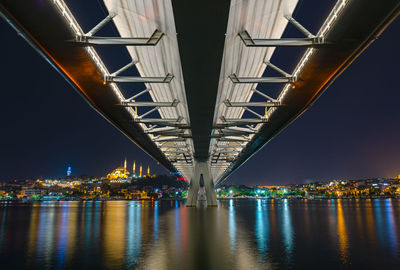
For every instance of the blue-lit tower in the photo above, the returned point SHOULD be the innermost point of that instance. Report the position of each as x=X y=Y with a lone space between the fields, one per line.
x=69 y=171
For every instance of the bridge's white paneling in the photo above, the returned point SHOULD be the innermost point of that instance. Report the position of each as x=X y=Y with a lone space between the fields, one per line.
x=262 y=19
x=140 y=18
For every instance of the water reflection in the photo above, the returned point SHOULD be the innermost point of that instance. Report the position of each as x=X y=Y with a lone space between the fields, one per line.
x=287 y=230
x=391 y=228
x=342 y=232
x=232 y=226
x=379 y=221
x=3 y=224
x=239 y=234
x=114 y=234
x=262 y=226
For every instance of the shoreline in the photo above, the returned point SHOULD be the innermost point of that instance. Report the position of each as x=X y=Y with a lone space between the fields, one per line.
x=184 y=199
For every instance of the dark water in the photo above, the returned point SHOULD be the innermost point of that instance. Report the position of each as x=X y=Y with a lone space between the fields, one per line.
x=239 y=234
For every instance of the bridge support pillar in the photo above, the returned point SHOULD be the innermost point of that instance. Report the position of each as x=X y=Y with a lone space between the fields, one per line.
x=200 y=182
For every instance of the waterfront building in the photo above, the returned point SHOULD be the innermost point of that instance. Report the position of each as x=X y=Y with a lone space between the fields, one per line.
x=119 y=173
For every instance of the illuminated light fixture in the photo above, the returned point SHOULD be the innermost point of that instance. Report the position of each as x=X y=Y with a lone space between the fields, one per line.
x=66 y=13
x=154 y=39
x=291 y=84
x=321 y=33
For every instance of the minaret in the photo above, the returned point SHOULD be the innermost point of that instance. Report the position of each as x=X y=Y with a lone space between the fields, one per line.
x=140 y=170
x=125 y=167
x=134 y=168
x=148 y=170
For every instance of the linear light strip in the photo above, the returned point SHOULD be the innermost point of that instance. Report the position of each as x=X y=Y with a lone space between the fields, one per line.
x=321 y=33
x=324 y=30
x=66 y=13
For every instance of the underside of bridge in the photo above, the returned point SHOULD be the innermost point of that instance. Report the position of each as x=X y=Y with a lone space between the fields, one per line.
x=197 y=106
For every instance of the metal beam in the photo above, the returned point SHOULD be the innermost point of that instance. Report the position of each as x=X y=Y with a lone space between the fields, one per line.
x=281 y=71
x=244 y=121
x=134 y=79
x=181 y=159
x=175 y=125
x=150 y=104
x=252 y=104
x=227 y=155
x=227 y=146
x=137 y=95
x=169 y=139
x=246 y=129
x=224 y=139
x=238 y=123
x=148 y=112
x=100 y=25
x=264 y=95
x=177 y=133
x=299 y=26
x=222 y=160
x=282 y=42
x=174 y=156
x=89 y=40
x=227 y=151
x=235 y=79
x=236 y=132
x=253 y=112
x=164 y=148
x=159 y=121
x=177 y=152
x=155 y=128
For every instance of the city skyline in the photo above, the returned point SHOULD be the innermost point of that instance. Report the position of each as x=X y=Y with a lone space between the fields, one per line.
x=351 y=132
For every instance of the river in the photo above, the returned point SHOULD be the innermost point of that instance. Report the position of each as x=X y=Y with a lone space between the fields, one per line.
x=238 y=234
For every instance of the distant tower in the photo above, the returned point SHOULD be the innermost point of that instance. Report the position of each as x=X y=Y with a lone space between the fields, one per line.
x=148 y=170
x=134 y=167
x=140 y=170
x=69 y=171
x=125 y=167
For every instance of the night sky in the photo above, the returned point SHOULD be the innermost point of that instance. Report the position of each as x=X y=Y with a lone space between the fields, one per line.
x=351 y=132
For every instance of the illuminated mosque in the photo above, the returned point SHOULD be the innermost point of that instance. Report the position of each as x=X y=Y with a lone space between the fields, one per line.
x=123 y=173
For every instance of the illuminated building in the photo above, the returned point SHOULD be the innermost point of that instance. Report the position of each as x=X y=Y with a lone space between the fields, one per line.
x=69 y=171
x=140 y=171
x=148 y=170
x=118 y=173
x=134 y=169
x=398 y=176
